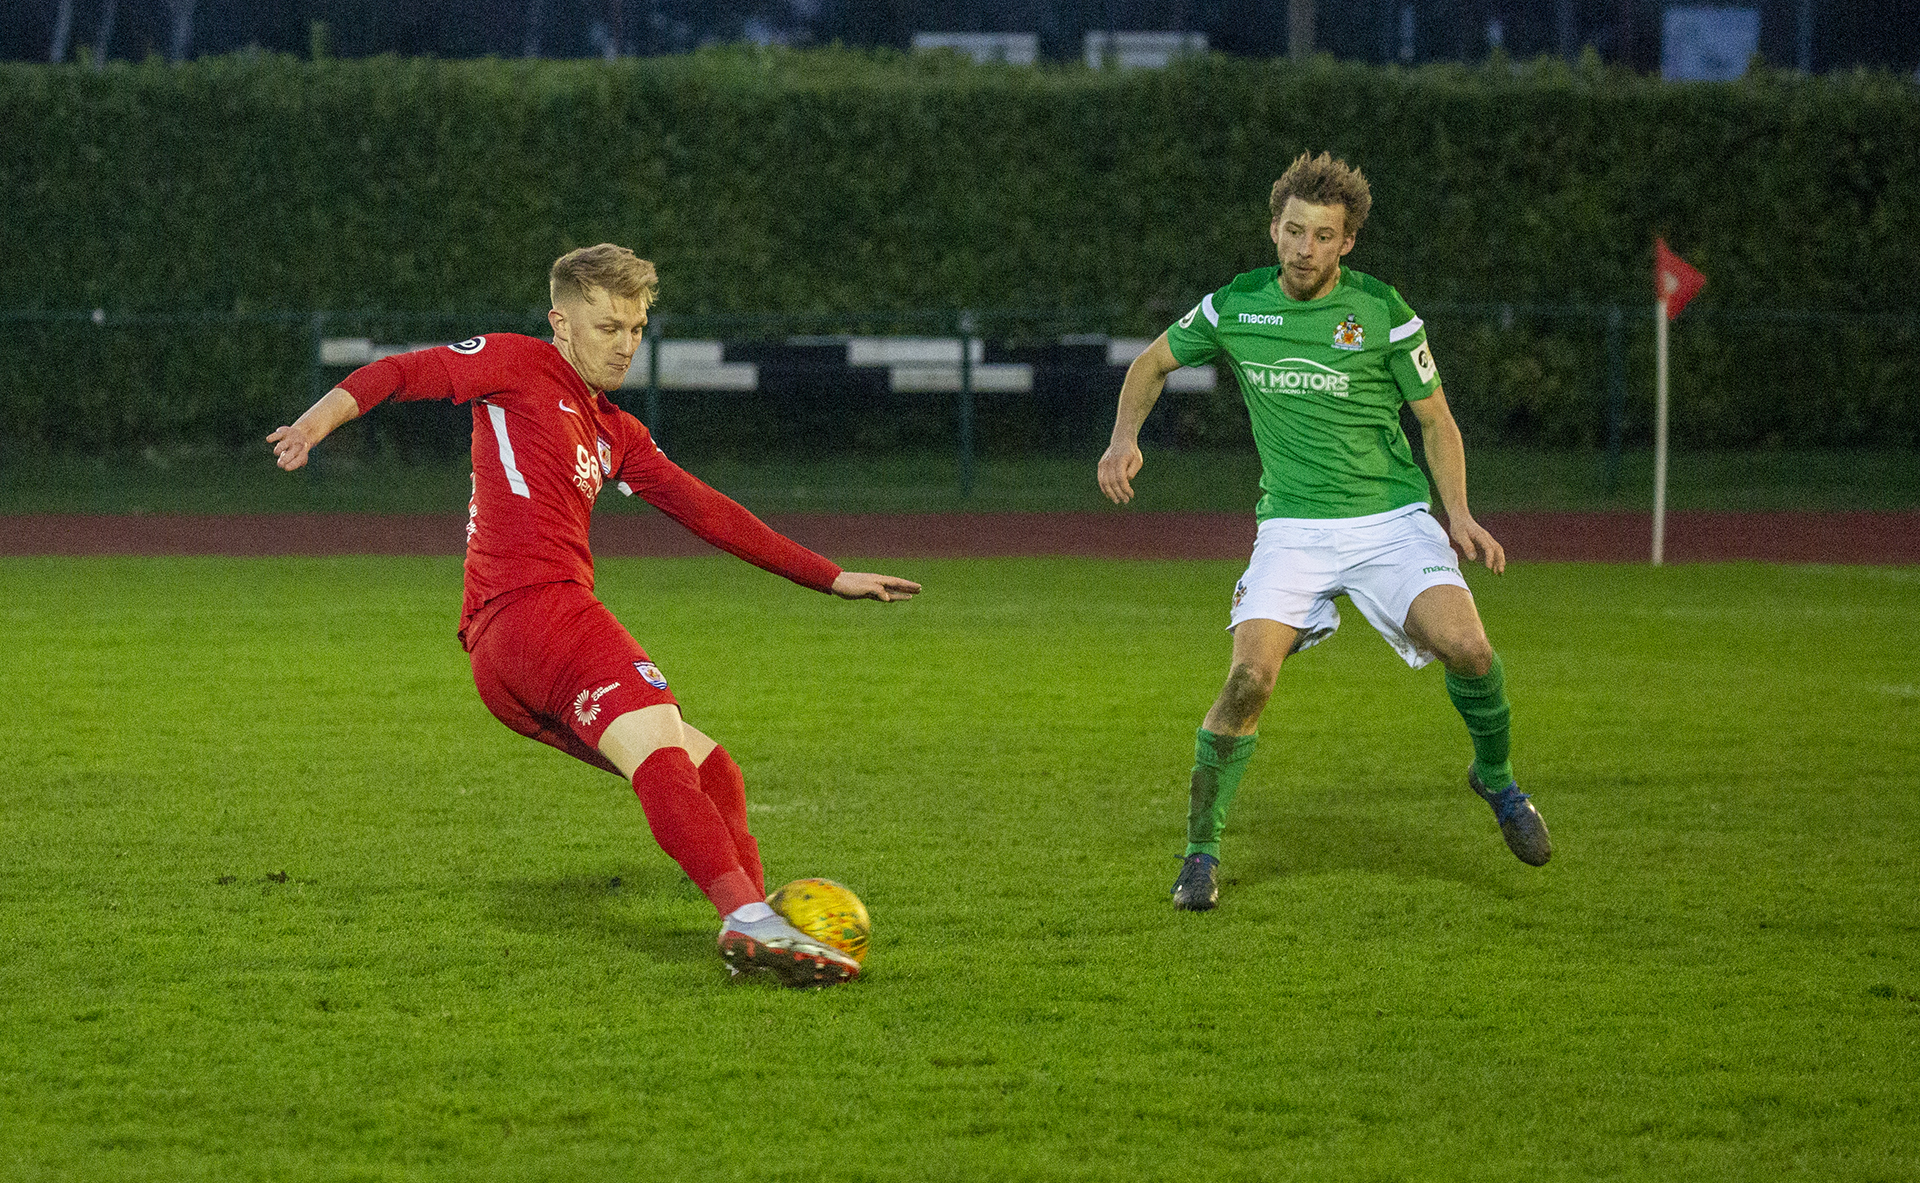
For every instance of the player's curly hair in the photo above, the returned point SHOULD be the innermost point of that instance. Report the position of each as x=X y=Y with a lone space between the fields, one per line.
x=615 y=269
x=1325 y=180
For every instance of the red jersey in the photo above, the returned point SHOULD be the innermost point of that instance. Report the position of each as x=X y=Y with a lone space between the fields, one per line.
x=544 y=442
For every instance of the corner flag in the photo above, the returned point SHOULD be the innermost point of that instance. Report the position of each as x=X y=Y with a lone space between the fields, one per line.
x=1675 y=282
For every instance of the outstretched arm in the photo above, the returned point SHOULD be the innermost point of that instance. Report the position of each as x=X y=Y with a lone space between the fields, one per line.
x=727 y=524
x=1146 y=378
x=1447 y=459
x=292 y=443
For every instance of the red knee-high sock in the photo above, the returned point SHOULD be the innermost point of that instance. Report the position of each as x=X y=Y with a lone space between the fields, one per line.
x=689 y=828
x=722 y=782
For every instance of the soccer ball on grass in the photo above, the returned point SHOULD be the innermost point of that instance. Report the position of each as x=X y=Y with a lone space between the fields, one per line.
x=827 y=912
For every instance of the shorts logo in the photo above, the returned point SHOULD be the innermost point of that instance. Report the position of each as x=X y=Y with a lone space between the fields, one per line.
x=586 y=706
x=1239 y=592
x=651 y=673
x=1435 y=570
x=1349 y=335
x=470 y=346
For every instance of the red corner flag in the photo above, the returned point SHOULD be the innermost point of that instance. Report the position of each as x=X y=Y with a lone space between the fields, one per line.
x=1675 y=281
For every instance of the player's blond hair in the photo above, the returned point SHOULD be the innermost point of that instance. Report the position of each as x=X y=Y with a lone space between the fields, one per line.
x=1325 y=180
x=614 y=269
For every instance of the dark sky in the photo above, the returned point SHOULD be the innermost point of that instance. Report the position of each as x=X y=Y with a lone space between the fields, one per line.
x=1845 y=33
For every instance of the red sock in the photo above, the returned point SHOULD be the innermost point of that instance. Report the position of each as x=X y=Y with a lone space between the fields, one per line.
x=690 y=829
x=721 y=781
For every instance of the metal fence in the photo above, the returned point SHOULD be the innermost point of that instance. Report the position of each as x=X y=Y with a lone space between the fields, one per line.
x=972 y=382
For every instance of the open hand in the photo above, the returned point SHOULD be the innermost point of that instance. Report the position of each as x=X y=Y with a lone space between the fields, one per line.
x=290 y=447
x=858 y=585
x=1117 y=469
x=1475 y=543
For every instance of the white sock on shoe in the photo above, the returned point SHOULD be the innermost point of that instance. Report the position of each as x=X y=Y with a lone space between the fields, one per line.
x=748 y=913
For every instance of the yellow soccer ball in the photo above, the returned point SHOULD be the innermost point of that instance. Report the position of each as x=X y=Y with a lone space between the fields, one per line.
x=827 y=912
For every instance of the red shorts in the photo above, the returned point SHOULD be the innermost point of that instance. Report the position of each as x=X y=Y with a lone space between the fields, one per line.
x=552 y=663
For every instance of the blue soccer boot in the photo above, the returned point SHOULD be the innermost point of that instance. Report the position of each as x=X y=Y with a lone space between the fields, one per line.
x=1520 y=822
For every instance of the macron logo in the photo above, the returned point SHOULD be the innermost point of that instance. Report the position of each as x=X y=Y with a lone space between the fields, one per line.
x=1262 y=318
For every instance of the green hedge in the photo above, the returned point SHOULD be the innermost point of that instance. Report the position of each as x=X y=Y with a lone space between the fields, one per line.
x=833 y=182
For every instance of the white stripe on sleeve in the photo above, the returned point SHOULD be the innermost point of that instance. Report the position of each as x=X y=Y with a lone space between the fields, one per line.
x=1212 y=313
x=1406 y=330
x=515 y=481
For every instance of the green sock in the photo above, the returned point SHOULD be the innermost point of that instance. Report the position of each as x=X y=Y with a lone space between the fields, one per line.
x=1219 y=761
x=1482 y=702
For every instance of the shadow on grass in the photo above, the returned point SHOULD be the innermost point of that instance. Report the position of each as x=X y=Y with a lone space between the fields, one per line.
x=1290 y=839
x=627 y=906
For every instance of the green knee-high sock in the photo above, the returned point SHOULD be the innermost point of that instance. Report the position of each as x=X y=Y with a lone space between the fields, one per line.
x=1218 y=762
x=1482 y=702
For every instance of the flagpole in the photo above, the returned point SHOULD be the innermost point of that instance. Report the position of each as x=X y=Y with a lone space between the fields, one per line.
x=1675 y=281
x=1659 y=429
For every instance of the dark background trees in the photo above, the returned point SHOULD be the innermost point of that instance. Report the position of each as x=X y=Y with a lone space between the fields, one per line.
x=1806 y=34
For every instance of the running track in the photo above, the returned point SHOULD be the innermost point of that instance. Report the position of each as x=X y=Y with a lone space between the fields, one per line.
x=1692 y=537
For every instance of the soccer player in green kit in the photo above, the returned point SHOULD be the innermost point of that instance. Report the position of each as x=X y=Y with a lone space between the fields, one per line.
x=1325 y=356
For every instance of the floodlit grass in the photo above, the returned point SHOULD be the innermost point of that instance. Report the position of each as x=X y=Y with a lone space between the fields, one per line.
x=350 y=478
x=280 y=901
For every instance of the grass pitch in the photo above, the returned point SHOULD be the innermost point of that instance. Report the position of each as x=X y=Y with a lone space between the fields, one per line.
x=281 y=901
x=349 y=476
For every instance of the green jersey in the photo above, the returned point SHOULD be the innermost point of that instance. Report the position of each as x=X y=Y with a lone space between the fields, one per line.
x=1323 y=381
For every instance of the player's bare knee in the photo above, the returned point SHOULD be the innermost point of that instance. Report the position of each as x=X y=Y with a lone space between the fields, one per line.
x=1248 y=688
x=699 y=746
x=636 y=735
x=1470 y=657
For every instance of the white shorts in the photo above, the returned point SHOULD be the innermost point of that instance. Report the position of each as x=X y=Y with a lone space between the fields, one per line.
x=1380 y=563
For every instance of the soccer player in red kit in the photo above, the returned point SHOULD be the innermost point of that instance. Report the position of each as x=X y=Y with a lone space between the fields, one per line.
x=549 y=659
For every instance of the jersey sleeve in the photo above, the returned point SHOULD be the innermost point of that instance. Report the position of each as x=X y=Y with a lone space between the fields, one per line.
x=460 y=373
x=646 y=472
x=1195 y=337
x=1410 y=356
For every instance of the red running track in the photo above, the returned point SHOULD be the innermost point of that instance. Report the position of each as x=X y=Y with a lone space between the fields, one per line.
x=1692 y=537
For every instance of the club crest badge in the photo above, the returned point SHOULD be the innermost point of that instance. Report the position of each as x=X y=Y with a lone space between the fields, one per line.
x=606 y=455
x=651 y=674
x=1239 y=592
x=1349 y=335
